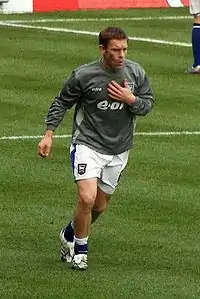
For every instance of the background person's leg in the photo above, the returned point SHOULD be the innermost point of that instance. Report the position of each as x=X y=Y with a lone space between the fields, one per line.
x=196 y=41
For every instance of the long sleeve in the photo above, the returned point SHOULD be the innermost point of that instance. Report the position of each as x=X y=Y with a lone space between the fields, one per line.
x=144 y=96
x=68 y=96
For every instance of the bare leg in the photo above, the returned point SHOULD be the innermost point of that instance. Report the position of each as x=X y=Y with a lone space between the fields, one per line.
x=92 y=202
x=100 y=204
x=82 y=219
x=82 y=216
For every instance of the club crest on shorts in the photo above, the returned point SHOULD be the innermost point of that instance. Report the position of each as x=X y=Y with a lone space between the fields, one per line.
x=82 y=168
x=131 y=86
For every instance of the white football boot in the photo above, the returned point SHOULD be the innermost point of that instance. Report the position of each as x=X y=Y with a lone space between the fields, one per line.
x=79 y=262
x=67 y=248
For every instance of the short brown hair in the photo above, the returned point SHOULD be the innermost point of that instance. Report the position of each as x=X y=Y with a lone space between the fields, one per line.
x=111 y=33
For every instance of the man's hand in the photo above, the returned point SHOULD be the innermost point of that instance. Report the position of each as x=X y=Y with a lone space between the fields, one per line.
x=45 y=144
x=119 y=93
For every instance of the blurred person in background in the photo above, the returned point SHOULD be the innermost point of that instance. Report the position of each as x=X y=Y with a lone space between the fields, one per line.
x=194 y=7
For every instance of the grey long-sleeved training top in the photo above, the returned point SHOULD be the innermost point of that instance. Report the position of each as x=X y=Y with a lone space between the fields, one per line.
x=101 y=123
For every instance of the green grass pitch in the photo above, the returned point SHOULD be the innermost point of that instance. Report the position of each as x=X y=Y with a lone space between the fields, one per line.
x=147 y=245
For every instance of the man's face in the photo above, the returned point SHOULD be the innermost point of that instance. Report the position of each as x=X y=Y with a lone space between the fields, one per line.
x=114 y=54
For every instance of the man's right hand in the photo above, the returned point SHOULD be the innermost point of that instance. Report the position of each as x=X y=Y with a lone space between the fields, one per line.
x=45 y=144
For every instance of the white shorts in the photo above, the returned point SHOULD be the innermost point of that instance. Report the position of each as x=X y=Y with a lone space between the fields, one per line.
x=194 y=7
x=87 y=163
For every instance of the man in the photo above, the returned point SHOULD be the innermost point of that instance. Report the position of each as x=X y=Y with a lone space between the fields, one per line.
x=109 y=93
x=194 y=6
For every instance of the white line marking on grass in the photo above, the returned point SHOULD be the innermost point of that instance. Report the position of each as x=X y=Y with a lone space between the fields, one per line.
x=48 y=28
x=23 y=137
x=100 y=19
x=175 y=133
x=53 y=29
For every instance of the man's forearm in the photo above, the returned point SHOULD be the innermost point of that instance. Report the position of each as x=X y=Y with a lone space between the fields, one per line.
x=55 y=114
x=142 y=106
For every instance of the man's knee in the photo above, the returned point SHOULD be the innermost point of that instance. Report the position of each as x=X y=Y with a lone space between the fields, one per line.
x=87 y=192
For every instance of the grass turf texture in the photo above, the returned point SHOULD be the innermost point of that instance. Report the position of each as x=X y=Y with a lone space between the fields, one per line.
x=147 y=244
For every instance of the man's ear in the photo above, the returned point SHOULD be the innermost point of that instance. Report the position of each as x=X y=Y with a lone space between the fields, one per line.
x=101 y=49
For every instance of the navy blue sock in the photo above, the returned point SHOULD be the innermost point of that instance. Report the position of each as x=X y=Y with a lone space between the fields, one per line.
x=69 y=232
x=80 y=248
x=196 y=43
